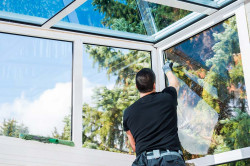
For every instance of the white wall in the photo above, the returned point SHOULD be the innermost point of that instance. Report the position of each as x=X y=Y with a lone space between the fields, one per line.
x=15 y=151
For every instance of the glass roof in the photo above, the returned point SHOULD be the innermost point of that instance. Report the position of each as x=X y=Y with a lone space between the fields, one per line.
x=133 y=16
x=31 y=11
x=216 y=4
x=115 y=15
x=131 y=19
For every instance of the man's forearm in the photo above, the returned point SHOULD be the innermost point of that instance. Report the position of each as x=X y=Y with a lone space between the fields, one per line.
x=173 y=80
x=131 y=139
x=133 y=146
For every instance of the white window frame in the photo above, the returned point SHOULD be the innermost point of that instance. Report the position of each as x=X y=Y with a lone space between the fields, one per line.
x=78 y=39
x=239 y=11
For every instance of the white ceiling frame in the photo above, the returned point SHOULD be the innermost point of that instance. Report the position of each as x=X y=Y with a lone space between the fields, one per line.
x=27 y=30
x=185 y=6
x=63 y=13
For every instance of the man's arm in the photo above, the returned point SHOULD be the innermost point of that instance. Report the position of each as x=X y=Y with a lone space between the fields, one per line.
x=131 y=139
x=172 y=79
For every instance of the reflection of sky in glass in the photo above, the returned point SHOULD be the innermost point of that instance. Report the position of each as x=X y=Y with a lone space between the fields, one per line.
x=93 y=78
x=85 y=15
x=198 y=49
x=44 y=9
x=35 y=82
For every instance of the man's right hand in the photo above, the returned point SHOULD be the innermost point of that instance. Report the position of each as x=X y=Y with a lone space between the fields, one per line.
x=167 y=67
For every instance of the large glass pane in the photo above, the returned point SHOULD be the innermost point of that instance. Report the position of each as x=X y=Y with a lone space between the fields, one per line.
x=114 y=18
x=210 y=3
x=31 y=11
x=212 y=104
x=109 y=88
x=35 y=86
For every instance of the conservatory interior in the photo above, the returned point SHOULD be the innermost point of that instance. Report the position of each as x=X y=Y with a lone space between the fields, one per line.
x=67 y=72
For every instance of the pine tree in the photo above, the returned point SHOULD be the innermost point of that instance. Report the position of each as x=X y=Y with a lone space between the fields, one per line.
x=12 y=128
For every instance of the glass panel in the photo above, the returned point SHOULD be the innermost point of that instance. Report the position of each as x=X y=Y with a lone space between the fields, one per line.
x=35 y=86
x=212 y=105
x=109 y=88
x=210 y=3
x=116 y=15
x=114 y=18
x=31 y=11
x=165 y=15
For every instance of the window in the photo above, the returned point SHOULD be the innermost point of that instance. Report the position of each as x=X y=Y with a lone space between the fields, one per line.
x=35 y=86
x=108 y=89
x=29 y=11
x=213 y=112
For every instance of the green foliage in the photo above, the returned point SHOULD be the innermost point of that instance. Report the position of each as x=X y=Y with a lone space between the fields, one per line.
x=236 y=130
x=122 y=25
x=226 y=74
x=90 y=145
x=66 y=134
x=227 y=45
x=12 y=128
x=165 y=15
x=120 y=16
x=220 y=83
x=237 y=163
x=102 y=125
x=125 y=16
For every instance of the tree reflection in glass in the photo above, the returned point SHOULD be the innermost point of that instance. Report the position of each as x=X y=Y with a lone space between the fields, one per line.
x=108 y=89
x=213 y=111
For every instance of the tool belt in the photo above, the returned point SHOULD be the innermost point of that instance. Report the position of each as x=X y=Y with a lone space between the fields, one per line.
x=159 y=153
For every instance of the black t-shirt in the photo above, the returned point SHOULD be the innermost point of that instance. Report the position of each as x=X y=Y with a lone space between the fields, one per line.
x=152 y=121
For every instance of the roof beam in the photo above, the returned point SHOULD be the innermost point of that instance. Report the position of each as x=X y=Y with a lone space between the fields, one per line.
x=185 y=6
x=63 y=13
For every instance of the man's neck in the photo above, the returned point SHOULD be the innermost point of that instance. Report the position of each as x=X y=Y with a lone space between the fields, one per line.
x=145 y=94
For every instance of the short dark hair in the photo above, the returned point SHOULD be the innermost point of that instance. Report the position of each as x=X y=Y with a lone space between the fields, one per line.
x=145 y=80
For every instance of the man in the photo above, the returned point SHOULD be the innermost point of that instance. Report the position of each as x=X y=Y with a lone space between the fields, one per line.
x=151 y=122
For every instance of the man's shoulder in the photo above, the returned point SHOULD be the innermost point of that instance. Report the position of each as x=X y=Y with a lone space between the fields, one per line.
x=131 y=107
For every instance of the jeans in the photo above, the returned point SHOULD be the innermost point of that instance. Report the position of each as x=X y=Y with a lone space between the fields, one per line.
x=168 y=160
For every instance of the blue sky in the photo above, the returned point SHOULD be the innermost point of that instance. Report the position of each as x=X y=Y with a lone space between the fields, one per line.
x=35 y=81
x=85 y=15
x=32 y=65
x=92 y=74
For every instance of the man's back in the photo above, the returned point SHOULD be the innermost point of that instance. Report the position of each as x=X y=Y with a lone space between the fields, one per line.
x=152 y=121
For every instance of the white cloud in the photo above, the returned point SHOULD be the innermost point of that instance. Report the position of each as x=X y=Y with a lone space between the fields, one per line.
x=42 y=114
x=88 y=90
x=49 y=110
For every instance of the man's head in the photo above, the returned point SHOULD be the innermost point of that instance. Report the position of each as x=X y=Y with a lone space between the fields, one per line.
x=145 y=80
